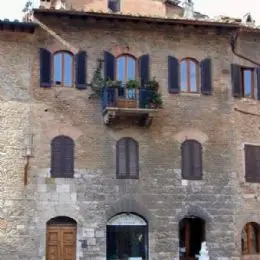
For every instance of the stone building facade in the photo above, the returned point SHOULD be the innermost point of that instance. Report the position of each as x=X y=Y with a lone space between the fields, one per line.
x=34 y=114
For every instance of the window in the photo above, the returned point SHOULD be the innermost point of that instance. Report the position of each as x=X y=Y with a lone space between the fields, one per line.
x=250 y=239
x=114 y=5
x=191 y=160
x=126 y=68
x=189 y=75
x=62 y=157
x=247 y=82
x=63 y=69
x=127 y=158
x=252 y=163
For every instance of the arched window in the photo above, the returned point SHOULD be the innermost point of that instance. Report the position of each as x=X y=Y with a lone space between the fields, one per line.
x=191 y=160
x=127 y=237
x=189 y=75
x=191 y=235
x=63 y=69
x=250 y=239
x=125 y=68
x=127 y=158
x=62 y=157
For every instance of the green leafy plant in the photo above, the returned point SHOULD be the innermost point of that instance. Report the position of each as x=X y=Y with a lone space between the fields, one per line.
x=156 y=100
x=152 y=84
x=114 y=83
x=132 y=83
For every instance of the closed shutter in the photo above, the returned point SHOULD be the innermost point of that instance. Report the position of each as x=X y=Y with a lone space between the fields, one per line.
x=258 y=82
x=109 y=66
x=121 y=154
x=133 y=161
x=45 y=68
x=236 y=80
x=197 y=160
x=252 y=163
x=62 y=157
x=81 y=68
x=186 y=160
x=173 y=75
x=144 y=70
x=206 y=77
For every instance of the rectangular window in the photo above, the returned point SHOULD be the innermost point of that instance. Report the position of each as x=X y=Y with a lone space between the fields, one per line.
x=247 y=83
x=252 y=163
x=114 y=5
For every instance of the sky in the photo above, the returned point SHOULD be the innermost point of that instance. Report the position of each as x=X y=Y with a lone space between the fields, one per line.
x=12 y=9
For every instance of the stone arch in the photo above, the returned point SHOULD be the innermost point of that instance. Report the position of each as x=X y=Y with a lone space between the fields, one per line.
x=125 y=49
x=189 y=133
x=61 y=220
x=130 y=205
x=59 y=129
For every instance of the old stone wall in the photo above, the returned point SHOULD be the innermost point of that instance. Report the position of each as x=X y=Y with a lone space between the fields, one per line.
x=95 y=195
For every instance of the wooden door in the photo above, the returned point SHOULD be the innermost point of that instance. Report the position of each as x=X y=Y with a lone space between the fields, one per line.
x=61 y=243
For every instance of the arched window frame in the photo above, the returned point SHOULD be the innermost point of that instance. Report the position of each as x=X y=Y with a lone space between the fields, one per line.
x=62 y=159
x=128 y=155
x=188 y=75
x=191 y=157
x=247 y=246
x=72 y=72
x=125 y=56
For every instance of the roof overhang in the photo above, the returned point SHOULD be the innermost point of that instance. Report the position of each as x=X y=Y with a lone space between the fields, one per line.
x=16 y=26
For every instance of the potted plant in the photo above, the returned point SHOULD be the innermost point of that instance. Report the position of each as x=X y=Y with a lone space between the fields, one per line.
x=156 y=100
x=114 y=83
x=152 y=84
x=133 y=84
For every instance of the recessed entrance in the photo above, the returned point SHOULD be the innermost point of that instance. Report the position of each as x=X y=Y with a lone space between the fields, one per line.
x=127 y=238
x=61 y=239
x=191 y=235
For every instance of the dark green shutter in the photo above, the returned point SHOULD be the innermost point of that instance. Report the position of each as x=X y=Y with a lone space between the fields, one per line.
x=81 y=69
x=173 y=75
x=206 y=77
x=45 y=68
x=109 y=66
x=258 y=82
x=144 y=70
x=236 y=80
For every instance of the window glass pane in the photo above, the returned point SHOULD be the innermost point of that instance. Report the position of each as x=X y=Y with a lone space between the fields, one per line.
x=67 y=70
x=121 y=68
x=184 y=75
x=193 y=77
x=247 y=77
x=57 y=68
x=130 y=68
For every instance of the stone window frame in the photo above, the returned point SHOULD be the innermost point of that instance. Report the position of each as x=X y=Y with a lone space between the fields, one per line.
x=253 y=82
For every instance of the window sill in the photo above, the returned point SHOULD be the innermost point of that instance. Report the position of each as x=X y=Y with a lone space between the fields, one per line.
x=190 y=94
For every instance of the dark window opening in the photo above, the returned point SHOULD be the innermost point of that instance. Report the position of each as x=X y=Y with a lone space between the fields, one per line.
x=127 y=158
x=250 y=239
x=247 y=82
x=191 y=235
x=61 y=220
x=252 y=163
x=114 y=5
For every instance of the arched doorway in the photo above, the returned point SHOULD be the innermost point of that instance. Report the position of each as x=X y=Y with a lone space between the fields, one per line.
x=61 y=239
x=250 y=239
x=127 y=237
x=191 y=235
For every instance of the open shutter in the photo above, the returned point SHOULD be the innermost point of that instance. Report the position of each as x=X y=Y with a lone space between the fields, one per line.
x=109 y=66
x=144 y=71
x=236 y=80
x=133 y=160
x=56 y=158
x=197 y=160
x=173 y=75
x=121 y=158
x=68 y=159
x=250 y=163
x=45 y=68
x=81 y=68
x=258 y=82
x=206 y=77
x=186 y=160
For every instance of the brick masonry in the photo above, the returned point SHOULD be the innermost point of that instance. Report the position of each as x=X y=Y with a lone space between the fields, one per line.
x=222 y=198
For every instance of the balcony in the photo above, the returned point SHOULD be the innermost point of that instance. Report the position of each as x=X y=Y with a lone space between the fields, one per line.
x=118 y=101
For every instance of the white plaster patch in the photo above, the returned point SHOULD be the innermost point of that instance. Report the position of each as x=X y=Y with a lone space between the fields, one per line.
x=73 y=196
x=63 y=188
x=184 y=182
x=41 y=188
x=20 y=227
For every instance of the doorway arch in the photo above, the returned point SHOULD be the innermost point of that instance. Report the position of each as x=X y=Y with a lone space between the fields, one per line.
x=61 y=238
x=127 y=236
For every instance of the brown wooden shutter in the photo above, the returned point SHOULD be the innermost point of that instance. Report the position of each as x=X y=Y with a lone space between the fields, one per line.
x=206 y=77
x=186 y=160
x=252 y=163
x=121 y=158
x=133 y=160
x=197 y=160
x=62 y=157
x=236 y=80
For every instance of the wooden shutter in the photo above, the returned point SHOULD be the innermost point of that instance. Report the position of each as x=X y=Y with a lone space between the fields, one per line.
x=236 y=80
x=206 y=77
x=62 y=157
x=121 y=158
x=197 y=160
x=45 y=68
x=258 y=82
x=133 y=160
x=109 y=66
x=81 y=68
x=186 y=160
x=173 y=75
x=144 y=71
x=252 y=163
